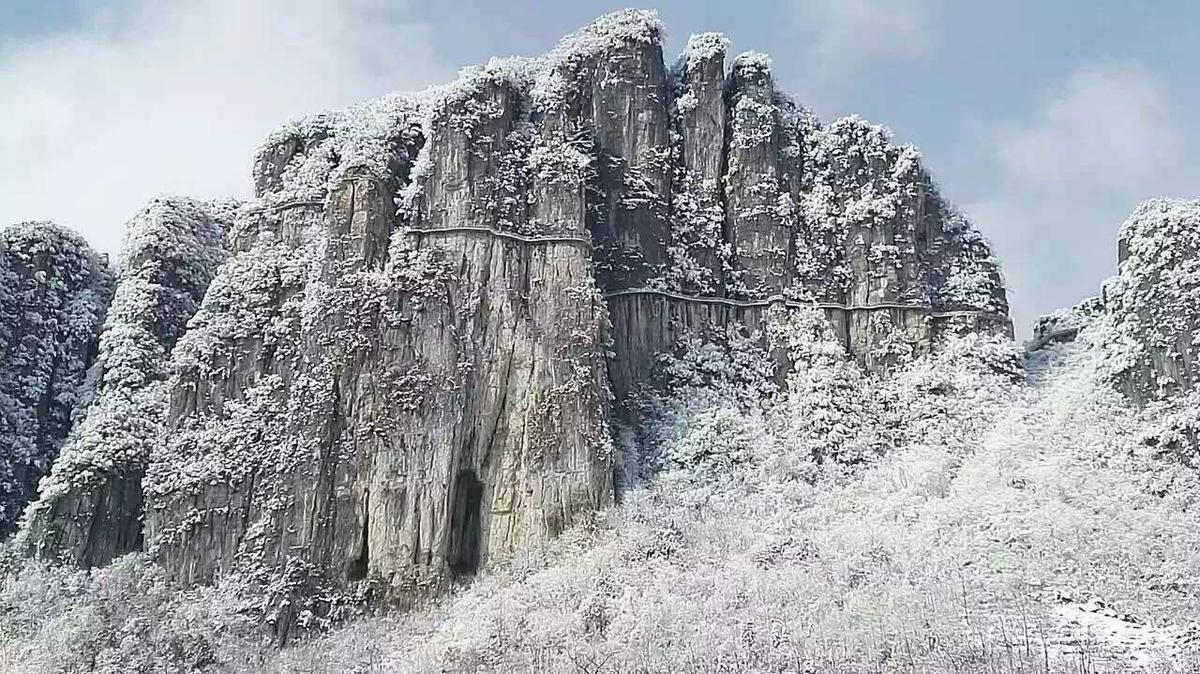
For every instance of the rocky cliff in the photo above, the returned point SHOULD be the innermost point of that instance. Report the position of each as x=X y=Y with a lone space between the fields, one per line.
x=1153 y=300
x=1148 y=312
x=404 y=358
x=90 y=507
x=53 y=292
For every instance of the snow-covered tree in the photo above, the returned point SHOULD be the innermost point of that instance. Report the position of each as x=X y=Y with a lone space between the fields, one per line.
x=826 y=410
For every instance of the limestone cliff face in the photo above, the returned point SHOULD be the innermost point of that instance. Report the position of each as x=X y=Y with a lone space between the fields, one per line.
x=437 y=304
x=53 y=293
x=1147 y=318
x=394 y=396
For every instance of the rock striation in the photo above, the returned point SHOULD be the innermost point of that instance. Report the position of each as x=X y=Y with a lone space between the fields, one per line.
x=404 y=358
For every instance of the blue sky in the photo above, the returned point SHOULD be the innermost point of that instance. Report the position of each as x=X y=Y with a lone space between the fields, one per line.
x=1046 y=121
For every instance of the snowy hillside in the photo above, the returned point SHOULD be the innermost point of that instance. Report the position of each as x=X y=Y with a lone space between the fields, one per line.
x=989 y=519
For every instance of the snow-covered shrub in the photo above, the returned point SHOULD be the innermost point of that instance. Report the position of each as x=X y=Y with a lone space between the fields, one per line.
x=944 y=555
x=1173 y=428
x=701 y=48
x=997 y=500
x=714 y=441
x=304 y=160
x=126 y=617
x=699 y=258
x=704 y=372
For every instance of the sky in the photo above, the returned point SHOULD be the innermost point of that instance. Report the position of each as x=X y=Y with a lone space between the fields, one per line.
x=1045 y=121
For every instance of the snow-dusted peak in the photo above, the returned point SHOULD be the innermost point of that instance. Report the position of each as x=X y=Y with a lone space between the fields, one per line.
x=752 y=65
x=704 y=48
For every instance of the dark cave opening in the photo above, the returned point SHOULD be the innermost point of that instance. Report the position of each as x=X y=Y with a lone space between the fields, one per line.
x=466 y=524
x=358 y=567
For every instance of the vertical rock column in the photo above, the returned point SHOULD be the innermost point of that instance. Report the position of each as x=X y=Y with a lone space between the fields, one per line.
x=90 y=509
x=496 y=434
x=426 y=481
x=627 y=95
x=698 y=248
x=702 y=116
x=761 y=238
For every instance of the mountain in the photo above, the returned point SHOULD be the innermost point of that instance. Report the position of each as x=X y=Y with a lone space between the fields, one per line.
x=587 y=363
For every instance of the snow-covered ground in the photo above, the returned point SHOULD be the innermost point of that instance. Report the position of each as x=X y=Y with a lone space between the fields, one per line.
x=1095 y=633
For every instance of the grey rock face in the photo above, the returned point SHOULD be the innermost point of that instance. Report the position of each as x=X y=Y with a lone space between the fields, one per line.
x=759 y=228
x=400 y=397
x=608 y=86
x=53 y=292
x=436 y=305
x=89 y=509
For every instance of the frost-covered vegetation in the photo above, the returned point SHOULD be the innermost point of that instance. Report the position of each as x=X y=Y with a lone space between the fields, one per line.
x=53 y=293
x=937 y=519
x=868 y=203
x=168 y=258
x=1155 y=298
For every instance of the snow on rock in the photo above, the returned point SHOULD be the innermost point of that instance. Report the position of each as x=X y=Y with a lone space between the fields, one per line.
x=89 y=507
x=427 y=323
x=1154 y=299
x=1064 y=325
x=702 y=49
x=53 y=293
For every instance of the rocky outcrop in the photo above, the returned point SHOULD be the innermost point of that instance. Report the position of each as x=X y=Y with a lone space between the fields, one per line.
x=796 y=212
x=53 y=292
x=89 y=509
x=437 y=304
x=389 y=396
x=1064 y=325
x=1147 y=317
x=1153 y=300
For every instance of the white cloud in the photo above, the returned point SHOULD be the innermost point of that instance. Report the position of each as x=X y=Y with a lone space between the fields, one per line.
x=1068 y=175
x=171 y=96
x=847 y=33
x=1108 y=126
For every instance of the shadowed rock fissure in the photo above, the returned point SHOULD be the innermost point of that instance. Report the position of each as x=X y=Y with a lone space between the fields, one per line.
x=359 y=567
x=465 y=524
